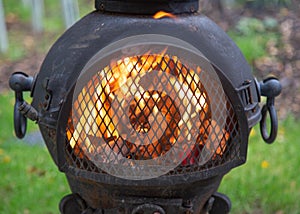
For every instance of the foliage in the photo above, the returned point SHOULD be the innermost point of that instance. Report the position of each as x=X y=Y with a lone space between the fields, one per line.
x=14 y=12
x=22 y=40
x=252 y=34
x=249 y=26
x=265 y=4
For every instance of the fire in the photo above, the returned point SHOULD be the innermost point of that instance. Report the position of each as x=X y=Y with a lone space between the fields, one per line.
x=113 y=104
x=162 y=14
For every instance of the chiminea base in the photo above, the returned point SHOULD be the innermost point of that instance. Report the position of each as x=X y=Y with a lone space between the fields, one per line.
x=217 y=204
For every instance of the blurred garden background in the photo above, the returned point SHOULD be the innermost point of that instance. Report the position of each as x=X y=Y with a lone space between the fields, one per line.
x=268 y=33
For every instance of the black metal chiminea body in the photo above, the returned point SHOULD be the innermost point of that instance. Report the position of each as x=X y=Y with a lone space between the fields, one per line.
x=145 y=115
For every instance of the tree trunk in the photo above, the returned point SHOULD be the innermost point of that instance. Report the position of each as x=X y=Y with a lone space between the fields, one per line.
x=3 y=30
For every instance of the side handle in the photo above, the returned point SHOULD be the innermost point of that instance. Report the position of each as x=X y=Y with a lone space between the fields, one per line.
x=20 y=82
x=269 y=88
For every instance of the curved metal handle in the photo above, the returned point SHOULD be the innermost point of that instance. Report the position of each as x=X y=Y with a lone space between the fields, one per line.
x=269 y=137
x=270 y=88
x=20 y=121
x=20 y=82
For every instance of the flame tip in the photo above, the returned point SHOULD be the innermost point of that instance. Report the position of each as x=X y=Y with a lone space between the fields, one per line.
x=163 y=14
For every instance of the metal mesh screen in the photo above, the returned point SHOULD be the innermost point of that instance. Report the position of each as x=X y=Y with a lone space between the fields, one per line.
x=151 y=115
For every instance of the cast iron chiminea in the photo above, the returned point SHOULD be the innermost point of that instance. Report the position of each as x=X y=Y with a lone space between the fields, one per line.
x=144 y=114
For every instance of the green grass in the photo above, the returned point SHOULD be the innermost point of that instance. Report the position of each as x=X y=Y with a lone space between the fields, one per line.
x=30 y=182
x=269 y=182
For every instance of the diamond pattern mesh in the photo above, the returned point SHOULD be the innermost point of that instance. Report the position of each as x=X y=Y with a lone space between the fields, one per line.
x=151 y=108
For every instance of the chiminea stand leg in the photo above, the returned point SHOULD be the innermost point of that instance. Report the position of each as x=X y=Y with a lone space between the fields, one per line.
x=74 y=204
x=218 y=204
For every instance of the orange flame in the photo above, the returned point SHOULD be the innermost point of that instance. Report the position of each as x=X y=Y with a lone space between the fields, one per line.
x=162 y=14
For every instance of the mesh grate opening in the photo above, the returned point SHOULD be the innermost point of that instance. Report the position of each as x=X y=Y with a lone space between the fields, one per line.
x=152 y=109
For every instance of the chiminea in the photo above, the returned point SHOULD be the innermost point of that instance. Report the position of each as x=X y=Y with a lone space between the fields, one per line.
x=145 y=113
